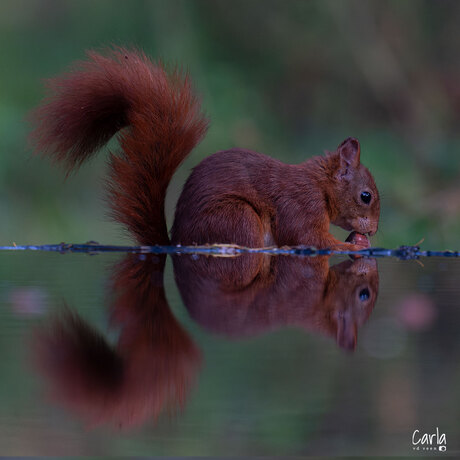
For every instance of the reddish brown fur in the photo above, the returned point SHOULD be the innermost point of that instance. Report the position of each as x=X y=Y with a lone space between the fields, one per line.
x=87 y=106
x=236 y=196
x=254 y=200
x=252 y=294
x=149 y=372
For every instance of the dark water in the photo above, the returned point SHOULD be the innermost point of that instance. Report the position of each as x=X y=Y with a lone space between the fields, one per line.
x=261 y=355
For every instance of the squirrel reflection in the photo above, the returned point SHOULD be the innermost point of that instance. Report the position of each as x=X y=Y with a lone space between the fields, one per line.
x=149 y=371
x=155 y=362
x=258 y=293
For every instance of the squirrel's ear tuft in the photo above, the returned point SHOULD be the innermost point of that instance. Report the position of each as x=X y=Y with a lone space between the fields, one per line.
x=349 y=151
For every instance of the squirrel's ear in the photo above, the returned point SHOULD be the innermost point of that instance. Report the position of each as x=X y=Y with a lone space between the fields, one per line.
x=349 y=151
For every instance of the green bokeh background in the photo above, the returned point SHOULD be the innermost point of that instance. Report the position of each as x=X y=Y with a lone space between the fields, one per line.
x=287 y=78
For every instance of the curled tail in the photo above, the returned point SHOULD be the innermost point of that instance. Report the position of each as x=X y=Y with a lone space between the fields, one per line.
x=163 y=122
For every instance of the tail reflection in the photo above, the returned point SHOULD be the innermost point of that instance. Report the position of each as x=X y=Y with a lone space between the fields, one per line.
x=257 y=293
x=149 y=371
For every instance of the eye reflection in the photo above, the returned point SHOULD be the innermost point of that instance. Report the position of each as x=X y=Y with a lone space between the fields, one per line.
x=364 y=295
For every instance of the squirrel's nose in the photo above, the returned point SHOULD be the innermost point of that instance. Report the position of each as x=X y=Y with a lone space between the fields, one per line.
x=373 y=231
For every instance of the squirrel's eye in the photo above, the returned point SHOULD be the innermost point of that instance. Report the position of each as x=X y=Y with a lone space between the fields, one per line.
x=366 y=197
x=364 y=294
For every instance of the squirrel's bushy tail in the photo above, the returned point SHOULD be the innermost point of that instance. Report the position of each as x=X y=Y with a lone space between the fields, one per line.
x=162 y=120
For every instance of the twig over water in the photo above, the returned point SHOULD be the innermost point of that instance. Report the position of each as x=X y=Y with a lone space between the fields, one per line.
x=226 y=250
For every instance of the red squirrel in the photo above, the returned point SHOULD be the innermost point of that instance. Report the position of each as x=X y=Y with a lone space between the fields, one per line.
x=235 y=196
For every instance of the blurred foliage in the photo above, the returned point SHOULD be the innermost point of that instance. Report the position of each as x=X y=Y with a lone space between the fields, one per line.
x=287 y=78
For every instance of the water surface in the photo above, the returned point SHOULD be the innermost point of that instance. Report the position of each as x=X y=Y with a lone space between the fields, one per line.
x=277 y=355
